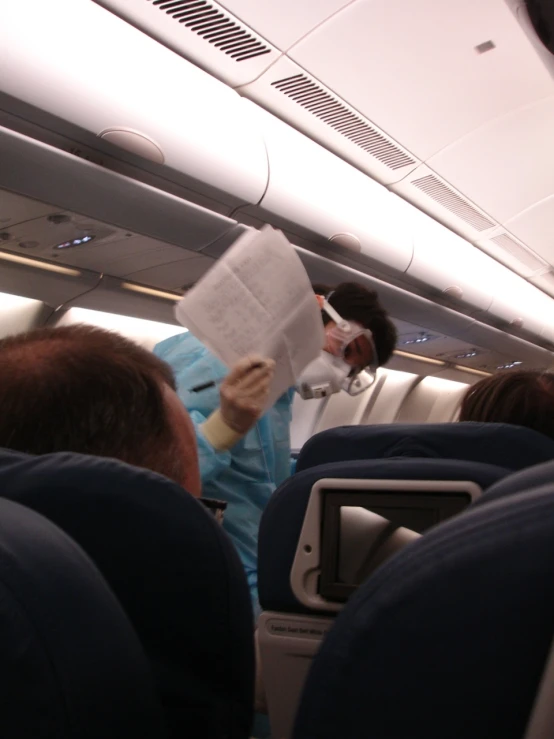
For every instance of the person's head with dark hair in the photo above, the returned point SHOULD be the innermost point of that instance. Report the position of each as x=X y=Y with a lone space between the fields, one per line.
x=354 y=302
x=83 y=389
x=522 y=397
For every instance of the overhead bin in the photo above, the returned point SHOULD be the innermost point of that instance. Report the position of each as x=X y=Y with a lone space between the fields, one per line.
x=520 y=303
x=205 y=31
x=313 y=188
x=81 y=63
x=399 y=303
x=450 y=263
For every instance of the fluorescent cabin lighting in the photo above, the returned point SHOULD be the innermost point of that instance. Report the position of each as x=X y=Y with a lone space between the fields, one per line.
x=145 y=290
x=47 y=266
x=418 y=358
x=472 y=371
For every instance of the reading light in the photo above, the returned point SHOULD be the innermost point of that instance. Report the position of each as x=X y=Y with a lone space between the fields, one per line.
x=418 y=358
x=467 y=355
x=47 y=266
x=74 y=242
x=419 y=339
x=510 y=365
x=150 y=291
x=472 y=371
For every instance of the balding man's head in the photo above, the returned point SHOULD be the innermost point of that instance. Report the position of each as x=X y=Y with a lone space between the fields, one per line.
x=83 y=389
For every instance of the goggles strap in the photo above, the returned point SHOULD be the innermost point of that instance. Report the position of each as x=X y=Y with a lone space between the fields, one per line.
x=332 y=313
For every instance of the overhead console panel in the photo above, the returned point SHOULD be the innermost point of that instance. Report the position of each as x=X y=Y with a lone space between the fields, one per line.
x=131 y=91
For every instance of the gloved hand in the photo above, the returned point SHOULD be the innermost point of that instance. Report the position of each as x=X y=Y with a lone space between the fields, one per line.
x=244 y=392
x=243 y=395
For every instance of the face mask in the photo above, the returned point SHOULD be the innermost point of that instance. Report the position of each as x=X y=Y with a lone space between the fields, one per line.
x=322 y=377
x=329 y=374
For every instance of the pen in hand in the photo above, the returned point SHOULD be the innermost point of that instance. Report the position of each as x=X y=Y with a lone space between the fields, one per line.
x=213 y=383
x=204 y=386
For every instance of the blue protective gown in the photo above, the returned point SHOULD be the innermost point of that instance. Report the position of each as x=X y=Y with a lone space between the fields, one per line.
x=246 y=475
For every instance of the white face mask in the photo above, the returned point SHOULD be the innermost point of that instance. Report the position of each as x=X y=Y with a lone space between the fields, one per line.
x=324 y=376
x=329 y=374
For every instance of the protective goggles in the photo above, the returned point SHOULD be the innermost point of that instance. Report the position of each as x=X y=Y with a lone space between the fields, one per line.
x=349 y=341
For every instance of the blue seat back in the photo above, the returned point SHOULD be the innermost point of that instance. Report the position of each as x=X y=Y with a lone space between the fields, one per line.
x=284 y=515
x=70 y=662
x=513 y=447
x=528 y=479
x=172 y=568
x=447 y=639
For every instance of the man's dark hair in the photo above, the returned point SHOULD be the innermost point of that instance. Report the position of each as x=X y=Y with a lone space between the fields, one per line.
x=523 y=398
x=83 y=389
x=354 y=302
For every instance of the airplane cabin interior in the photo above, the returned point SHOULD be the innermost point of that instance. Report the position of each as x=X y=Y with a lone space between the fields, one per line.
x=407 y=146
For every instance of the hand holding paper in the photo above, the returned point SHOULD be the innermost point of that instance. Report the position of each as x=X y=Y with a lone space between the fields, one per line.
x=257 y=299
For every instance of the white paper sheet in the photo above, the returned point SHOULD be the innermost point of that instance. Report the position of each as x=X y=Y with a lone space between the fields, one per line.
x=257 y=299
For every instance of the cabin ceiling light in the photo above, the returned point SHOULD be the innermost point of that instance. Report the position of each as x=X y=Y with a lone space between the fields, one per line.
x=46 y=266
x=418 y=358
x=472 y=371
x=145 y=290
x=75 y=242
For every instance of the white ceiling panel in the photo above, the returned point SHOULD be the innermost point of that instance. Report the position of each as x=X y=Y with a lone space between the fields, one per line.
x=514 y=159
x=286 y=21
x=413 y=68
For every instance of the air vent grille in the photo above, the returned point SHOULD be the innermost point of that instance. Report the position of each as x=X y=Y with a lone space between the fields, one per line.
x=335 y=114
x=518 y=251
x=453 y=202
x=207 y=21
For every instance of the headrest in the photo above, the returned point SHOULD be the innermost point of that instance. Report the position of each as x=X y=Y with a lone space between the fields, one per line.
x=448 y=638
x=283 y=517
x=70 y=663
x=501 y=444
x=172 y=568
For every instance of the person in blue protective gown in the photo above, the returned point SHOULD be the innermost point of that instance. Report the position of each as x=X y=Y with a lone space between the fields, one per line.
x=244 y=455
x=243 y=463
